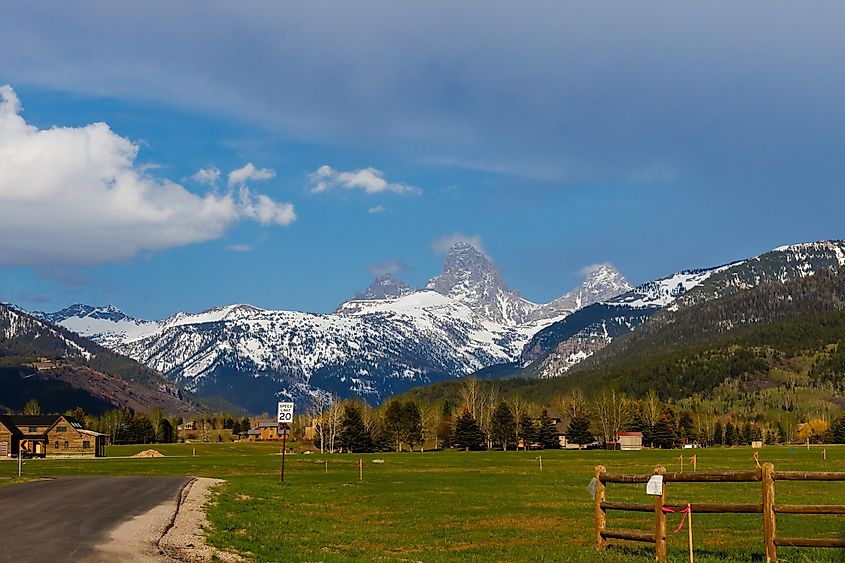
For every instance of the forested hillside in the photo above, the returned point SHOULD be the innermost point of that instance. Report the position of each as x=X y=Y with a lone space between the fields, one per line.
x=43 y=359
x=771 y=356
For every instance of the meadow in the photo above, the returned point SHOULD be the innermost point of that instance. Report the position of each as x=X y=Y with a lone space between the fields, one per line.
x=469 y=506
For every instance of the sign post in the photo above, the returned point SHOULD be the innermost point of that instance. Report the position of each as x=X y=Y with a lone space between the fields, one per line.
x=285 y=418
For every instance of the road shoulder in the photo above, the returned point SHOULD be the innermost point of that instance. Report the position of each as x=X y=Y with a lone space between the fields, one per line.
x=171 y=532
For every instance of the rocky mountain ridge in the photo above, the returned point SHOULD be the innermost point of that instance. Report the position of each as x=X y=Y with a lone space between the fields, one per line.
x=384 y=342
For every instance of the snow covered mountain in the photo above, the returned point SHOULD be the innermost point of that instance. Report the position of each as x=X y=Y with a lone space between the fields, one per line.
x=470 y=277
x=555 y=350
x=108 y=325
x=90 y=373
x=388 y=340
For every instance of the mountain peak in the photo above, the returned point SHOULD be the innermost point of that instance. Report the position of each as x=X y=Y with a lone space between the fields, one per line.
x=601 y=282
x=604 y=282
x=470 y=277
x=385 y=287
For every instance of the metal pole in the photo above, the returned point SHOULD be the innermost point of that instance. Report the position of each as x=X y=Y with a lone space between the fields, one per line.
x=284 y=447
x=20 y=462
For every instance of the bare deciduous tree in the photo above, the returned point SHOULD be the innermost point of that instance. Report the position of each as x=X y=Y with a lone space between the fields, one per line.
x=613 y=412
x=316 y=411
x=472 y=396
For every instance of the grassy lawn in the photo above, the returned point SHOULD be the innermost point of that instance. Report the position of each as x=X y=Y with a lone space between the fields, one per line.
x=482 y=506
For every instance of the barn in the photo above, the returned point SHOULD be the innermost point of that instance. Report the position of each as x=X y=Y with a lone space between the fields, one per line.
x=48 y=435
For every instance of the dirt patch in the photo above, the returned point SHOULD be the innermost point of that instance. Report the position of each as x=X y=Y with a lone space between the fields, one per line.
x=149 y=453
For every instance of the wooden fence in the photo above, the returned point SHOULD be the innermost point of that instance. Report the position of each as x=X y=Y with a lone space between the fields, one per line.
x=768 y=508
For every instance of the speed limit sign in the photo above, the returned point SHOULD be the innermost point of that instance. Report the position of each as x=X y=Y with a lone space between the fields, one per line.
x=285 y=413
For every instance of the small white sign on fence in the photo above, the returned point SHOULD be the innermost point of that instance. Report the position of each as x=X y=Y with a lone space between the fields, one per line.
x=654 y=485
x=591 y=488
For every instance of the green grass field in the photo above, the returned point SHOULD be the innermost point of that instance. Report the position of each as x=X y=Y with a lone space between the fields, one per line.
x=481 y=506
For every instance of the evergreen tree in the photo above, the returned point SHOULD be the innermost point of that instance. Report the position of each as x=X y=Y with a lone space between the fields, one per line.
x=837 y=430
x=528 y=431
x=729 y=434
x=718 y=434
x=393 y=423
x=467 y=435
x=444 y=427
x=164 y=433
x=547 y=432
x=143 y=431
x=353 y=435
x=578 y=431
x=403 y=423
x=747 y=435
x=503 y=426
x=665 y=434
x=737 y=439
x=412 y=431
x=782 y=436
x=236 y=427
x=686 y=428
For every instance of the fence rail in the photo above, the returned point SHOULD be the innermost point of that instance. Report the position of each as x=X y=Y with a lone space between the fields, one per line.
x=765 y=475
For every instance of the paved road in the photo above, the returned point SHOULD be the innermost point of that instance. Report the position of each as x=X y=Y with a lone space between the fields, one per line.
x=63 y=519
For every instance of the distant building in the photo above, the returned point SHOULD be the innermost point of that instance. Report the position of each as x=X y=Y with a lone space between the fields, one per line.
x=48 y=435
x=630 y=441
x=264 y=431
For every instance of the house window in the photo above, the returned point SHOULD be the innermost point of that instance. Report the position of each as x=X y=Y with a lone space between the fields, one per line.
x=57 y=444
x=61 y=429
x=33 y=429
x=86 y=445
x=65 y=444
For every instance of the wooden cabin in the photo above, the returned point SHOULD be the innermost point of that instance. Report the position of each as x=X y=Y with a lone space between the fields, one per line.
x=48 y=435
x=263 y=431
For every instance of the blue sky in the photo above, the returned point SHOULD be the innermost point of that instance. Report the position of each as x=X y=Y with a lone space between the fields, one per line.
x=656 y=136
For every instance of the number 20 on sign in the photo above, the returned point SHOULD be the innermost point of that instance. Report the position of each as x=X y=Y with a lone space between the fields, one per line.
x=285 y=413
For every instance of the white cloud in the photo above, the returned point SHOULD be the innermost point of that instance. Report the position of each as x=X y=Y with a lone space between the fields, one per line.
x=441 y=245
x=209 y=176
x=370 y=180
x=248 y=172
x=586 y=270
x=393 y=267
x=376 y=209
x=239 y=247
x=74 y=196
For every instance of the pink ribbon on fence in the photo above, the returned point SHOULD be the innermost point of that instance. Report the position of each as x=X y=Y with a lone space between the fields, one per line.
x=685 y=511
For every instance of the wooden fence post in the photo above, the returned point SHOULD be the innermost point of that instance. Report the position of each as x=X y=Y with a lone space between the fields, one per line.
x=600 y=516
x=660 y=520
x=769 y=512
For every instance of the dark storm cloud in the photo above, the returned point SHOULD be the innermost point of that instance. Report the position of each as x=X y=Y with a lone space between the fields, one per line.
x=632 y=91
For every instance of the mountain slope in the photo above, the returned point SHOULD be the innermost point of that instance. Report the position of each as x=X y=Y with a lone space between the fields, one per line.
x=785 y=337
x=568 y=345
x=771 y=269
x=83 y=364
x=556 y=349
